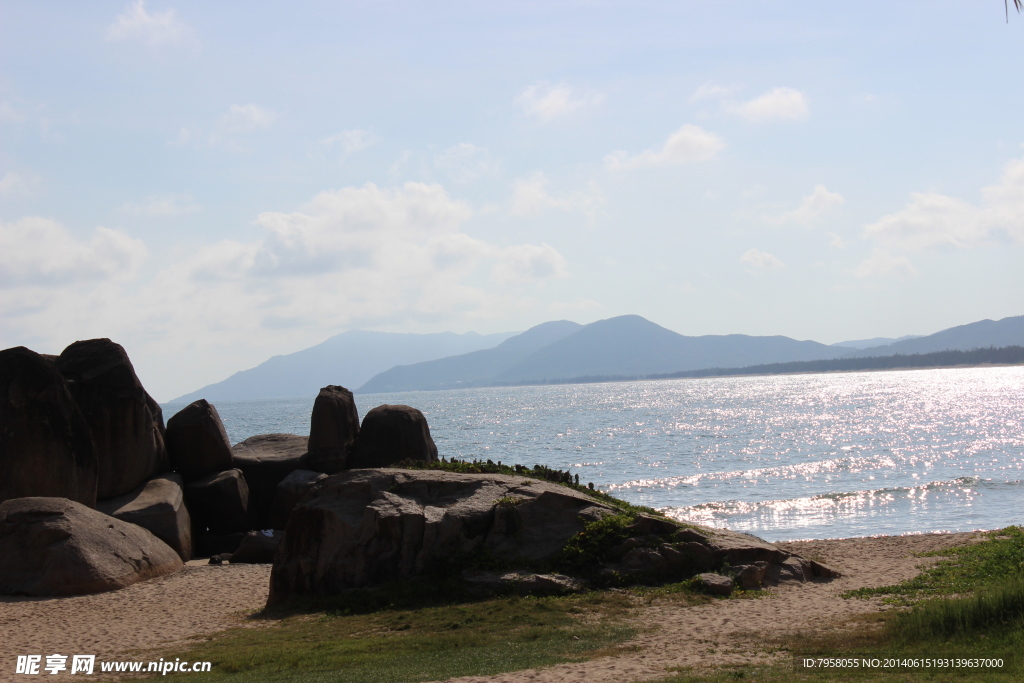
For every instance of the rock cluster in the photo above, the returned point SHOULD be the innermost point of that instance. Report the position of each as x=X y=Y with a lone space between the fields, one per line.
x=80 y=429
x=370 y=526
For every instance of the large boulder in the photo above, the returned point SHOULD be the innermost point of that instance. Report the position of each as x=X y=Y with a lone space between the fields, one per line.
x=45 y=445
x=197 y=442
x=369 y=526
x=289 y=492
x=159 y=506
x=265 y=460
x=55 y=546
x=390 y=434
x=219 y=502
x=362 y=527
x=334 y=426
x=127 y=425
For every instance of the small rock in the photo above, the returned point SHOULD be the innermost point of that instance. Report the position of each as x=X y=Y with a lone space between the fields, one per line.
x=257 y=547
x=716 y=584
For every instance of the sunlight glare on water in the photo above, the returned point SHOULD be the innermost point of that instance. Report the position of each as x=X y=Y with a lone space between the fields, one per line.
x=782 y=457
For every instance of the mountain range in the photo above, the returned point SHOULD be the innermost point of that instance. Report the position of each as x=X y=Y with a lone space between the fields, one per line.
x=624 y=346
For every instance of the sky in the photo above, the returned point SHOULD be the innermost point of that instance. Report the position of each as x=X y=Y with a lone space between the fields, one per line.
x=212 y=184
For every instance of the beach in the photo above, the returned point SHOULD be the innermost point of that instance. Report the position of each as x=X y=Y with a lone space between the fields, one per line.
x=153 y=618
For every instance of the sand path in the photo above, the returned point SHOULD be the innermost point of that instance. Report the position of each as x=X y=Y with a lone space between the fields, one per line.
x=734 y=631
x=201 y=599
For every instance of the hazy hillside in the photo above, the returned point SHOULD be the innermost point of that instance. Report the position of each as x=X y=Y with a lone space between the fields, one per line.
x=982 y=334
x=627 y=345
x=470 y=369
x=876 y=341
x=348 y=359
x=630 y=345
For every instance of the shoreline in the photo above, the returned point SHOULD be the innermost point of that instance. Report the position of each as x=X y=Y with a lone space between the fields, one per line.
x=148 y=619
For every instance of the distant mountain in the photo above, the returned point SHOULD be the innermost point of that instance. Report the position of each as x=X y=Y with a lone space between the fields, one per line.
x=470 y=369
x=877 y=341
x=348 y=359
x=982 y=334
x=624 y=346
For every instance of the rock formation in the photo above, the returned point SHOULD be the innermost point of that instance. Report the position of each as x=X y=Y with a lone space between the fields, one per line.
x=159 y=506
x=257 y=547
x=289 y=492
x=265 y=460
x=45 y=445
x=390 y=434
x=364 y=527
x=334 y=426
x=219 y=502
x=196 y=441
x=55 y=546
x=126 y=424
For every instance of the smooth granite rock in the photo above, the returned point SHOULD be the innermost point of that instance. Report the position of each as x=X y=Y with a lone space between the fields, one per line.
x=46 y=448
x=219 y=502
x=334 y=426
x=57 y=547
x=197 y=442
x=159 y=506
x=390 y=434
x=126 y=424
x=265 y=460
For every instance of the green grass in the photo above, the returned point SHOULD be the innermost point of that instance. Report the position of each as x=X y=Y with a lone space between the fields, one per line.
x=966 y=569
x=418 y=644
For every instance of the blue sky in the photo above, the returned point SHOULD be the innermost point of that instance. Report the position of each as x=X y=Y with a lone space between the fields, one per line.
x=210 y=184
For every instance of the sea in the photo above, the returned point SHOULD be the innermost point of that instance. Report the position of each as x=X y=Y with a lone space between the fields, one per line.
x=783 y=457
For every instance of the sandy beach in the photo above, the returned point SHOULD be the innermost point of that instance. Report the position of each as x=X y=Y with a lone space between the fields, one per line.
x=163 y=613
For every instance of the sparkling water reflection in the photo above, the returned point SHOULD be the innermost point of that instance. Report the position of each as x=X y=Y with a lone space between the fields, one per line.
x=784 y=457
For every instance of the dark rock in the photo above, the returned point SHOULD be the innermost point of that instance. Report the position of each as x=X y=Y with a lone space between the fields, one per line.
x=644 y=561
x=159 y=506
x=196 y=441
x=750 y=576
x=334 y=426
x=363 y=527
x=716 y=584
x=521 y=583
x=289 y=492
x=647 y=525
x=792 y=568
x=257 y=547
x=209 y=545
x=126 y=424
x=390 y=434
x=219 y=502
x=265 y=460
x=55 y=546
x=220 y=559
x=45 y=445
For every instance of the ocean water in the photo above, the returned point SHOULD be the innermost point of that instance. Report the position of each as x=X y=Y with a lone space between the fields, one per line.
x=782 y=457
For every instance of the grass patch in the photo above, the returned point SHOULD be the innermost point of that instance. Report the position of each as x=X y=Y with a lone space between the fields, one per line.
x=967 y=569
x=419 y=644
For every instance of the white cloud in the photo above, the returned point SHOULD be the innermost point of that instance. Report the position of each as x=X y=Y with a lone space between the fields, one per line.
x=528 y=263
x=712 y=91
x=546 y=101
x=155 y=29
x=531 y=197
x=812 y=207
x=761 y=261
x=349 y=141
x=781 y=104
x=688 y=144
x=465 y=162
x=40 y=252
x=246 y=118
x=931 y=220
x=881 y=263
x=161 y=205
